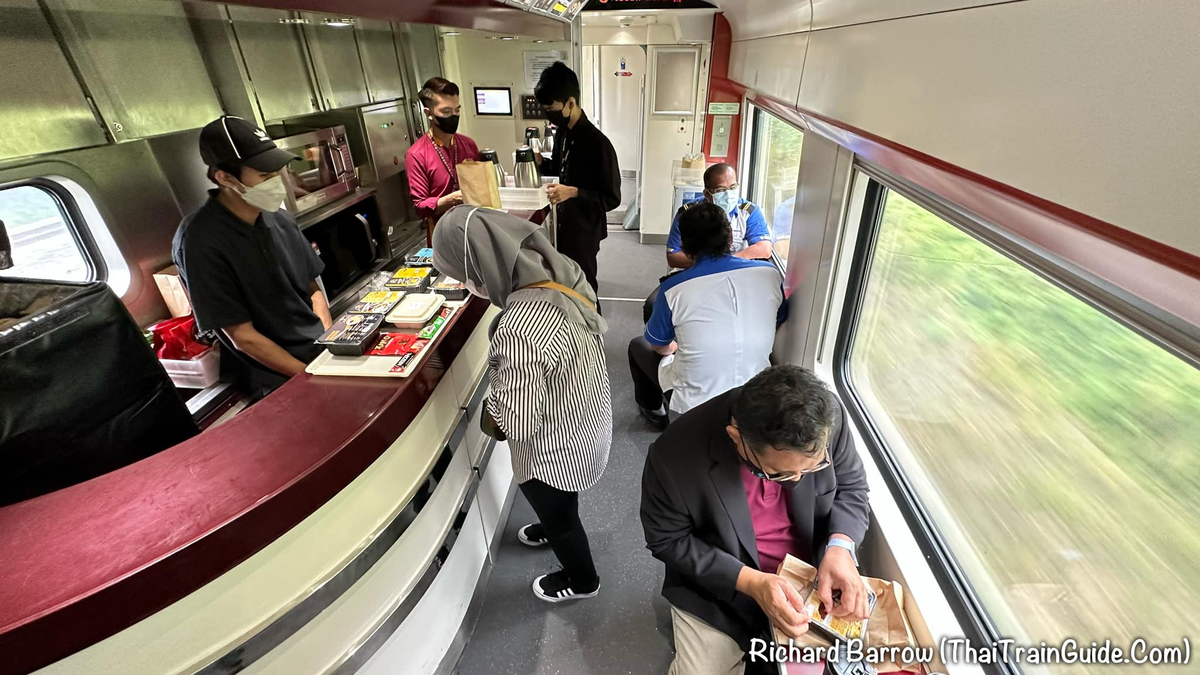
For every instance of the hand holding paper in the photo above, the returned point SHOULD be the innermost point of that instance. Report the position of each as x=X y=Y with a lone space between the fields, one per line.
x=778 y=600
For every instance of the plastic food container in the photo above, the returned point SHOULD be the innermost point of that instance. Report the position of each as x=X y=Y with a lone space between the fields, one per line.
x=352 y=334
x=199 y=372
x=450 y=287
x=422 y=258
x=410 y=279
x=377 y=302
x=415 y=310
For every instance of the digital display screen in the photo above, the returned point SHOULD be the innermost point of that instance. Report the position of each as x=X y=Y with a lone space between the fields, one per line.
x=493 y=101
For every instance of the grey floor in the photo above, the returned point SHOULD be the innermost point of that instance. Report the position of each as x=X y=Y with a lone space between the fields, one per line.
x=627 y=627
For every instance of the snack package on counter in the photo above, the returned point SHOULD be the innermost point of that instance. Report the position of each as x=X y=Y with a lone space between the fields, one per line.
x=435 y=324
x=411 y=279
x=352 y=334
x=416 y=310
x=450 y=287
x=398 y=344
x=377 y=302
x=422 y=258
x=379 y=281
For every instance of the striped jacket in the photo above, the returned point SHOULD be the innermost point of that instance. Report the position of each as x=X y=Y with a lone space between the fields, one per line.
x=550 y=395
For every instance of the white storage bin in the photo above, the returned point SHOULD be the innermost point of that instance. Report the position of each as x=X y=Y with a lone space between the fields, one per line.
x=196 y=373
x=523 y=199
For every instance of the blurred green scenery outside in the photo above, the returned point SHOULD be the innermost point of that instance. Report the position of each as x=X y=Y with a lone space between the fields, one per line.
x=1055 y=448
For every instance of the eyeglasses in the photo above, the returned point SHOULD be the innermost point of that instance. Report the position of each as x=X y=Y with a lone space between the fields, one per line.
x=782 y=476
x=730 y=188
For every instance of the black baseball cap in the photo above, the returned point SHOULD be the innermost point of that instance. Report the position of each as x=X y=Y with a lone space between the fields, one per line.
x=232 y=140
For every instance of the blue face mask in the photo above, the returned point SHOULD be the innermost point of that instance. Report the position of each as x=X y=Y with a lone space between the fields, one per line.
x=727 y=200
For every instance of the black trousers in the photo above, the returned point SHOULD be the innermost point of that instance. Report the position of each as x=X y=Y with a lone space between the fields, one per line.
x=643 y=366
x=558 y=512
x=582 y=248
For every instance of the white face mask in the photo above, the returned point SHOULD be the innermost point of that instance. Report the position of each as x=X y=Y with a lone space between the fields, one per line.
x=267 y=195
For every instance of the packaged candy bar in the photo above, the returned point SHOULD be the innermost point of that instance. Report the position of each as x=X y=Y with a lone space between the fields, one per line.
x=435 y=324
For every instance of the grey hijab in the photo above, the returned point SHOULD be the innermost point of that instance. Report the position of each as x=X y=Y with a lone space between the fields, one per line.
x=504 y=254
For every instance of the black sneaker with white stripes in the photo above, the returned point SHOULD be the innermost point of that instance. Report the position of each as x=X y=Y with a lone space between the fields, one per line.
x=556 y=587
x=533 y=535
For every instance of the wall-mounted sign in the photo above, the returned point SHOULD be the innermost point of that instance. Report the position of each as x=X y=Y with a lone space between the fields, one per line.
x=724 y=108
x=623 y=72
x=536 y=62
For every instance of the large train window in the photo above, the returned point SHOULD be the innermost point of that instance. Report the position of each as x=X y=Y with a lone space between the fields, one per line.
x=775 y=170
x=39 y=238
x=1049 y=451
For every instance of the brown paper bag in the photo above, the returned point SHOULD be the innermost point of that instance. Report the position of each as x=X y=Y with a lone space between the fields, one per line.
x=477 y=180
x=171 y=288
x=886 y=627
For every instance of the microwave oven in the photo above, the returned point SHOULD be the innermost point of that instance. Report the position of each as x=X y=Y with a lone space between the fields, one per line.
x=324 y=173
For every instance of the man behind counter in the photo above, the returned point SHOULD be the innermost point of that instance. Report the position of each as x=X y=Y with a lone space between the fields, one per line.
x=432 y=161
x=251 y=275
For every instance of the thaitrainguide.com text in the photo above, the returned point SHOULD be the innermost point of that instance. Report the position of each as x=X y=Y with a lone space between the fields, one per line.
x=961 y=650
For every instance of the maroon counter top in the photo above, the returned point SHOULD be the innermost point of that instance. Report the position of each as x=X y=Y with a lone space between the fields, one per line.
x=83 y=563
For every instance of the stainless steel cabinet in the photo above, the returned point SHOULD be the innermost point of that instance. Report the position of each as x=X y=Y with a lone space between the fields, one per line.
x=42 y=105
x=380 y=59
x=336 y=61
x=141 y=63
x=424 y=53
x=272 y=49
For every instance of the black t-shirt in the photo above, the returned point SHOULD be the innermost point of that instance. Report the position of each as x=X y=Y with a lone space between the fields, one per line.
x=262 y=273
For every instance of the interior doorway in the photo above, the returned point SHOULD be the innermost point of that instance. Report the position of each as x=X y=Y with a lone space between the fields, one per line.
x=614 y=78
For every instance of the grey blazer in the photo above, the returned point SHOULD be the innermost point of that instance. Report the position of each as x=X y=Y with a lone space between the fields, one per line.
x=697 y=521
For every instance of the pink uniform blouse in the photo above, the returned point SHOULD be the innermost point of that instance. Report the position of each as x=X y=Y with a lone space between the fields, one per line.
x=431 y=169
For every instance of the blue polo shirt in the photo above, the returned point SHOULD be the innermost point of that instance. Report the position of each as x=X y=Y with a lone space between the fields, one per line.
x=723 y=313
x=745 y=220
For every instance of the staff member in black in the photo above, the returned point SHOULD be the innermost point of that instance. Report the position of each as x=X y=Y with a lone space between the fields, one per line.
x=251 y=275
x=589 y=181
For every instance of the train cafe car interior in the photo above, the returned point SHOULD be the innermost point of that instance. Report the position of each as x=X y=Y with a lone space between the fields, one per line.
x=982 y=213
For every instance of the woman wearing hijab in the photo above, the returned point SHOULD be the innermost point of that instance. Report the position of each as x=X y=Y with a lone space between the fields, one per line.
x=549 y=382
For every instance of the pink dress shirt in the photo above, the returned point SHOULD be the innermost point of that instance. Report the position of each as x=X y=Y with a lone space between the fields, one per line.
x=432 y=170
x=772 y=523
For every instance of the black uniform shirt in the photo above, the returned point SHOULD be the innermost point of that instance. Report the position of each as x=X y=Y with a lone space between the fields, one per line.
x=262 y=273
x=584 y=158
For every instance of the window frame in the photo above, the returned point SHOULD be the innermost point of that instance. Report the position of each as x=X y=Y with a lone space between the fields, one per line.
x=755 y=119
x=1139 y=317
x=76 y=223
x=968 y=608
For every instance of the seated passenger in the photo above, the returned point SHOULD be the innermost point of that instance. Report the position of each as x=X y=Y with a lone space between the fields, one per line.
x=715 y=321
x=549 y=392
x=751 y=236
x=715 y=510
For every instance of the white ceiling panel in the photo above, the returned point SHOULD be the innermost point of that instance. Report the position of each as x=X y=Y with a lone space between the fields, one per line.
x=770 y=65
x=833 y=13
x=762 y=18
